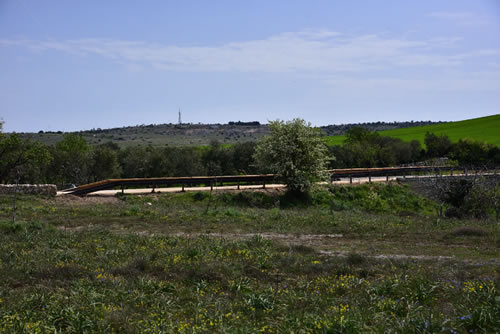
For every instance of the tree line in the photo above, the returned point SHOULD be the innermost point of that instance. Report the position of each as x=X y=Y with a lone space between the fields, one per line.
x=364 y=148
x=73 y=161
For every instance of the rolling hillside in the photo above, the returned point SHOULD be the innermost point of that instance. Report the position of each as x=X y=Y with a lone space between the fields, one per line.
x=483 y=129
x=197 y=134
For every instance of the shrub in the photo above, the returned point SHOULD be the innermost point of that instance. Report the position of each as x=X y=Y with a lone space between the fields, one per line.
x=249 y=199
x=199 y=196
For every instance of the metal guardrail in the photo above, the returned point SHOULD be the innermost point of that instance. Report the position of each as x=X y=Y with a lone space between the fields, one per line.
x=385 y=171
x=252 y=179
x=162 y=181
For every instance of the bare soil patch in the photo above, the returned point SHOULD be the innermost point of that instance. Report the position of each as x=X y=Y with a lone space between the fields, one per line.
x=87 y=200
x=290 y=237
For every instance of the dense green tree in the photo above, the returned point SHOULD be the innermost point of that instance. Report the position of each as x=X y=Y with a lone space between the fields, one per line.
x=242 y=158
x=158 y=162
x=355 y=155
x=473 y=153
x=103 y=163
x=134 y=161
x=437 y=145
x=218 y=160
x=71 y=160
x=363 y=148
x=296 y=152
x=494 y=156
x=22 y=159
x=187 y=161
x=358 y=135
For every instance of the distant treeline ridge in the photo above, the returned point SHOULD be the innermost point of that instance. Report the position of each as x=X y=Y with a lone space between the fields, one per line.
x=73 y=160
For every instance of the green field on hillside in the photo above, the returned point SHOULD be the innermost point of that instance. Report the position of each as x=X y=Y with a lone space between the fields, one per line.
x=335 y=140
x=482 y=129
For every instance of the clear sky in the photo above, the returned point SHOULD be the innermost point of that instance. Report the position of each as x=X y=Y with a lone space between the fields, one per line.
x=73 y=65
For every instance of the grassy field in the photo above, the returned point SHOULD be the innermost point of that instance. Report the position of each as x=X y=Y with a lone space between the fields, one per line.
x=481 y=129
x=370 y=258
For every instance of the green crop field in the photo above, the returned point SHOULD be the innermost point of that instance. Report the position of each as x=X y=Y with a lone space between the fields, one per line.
x=482 y=129
x=335 y=140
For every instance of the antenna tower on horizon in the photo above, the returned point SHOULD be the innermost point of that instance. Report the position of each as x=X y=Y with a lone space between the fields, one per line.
x=180 y=120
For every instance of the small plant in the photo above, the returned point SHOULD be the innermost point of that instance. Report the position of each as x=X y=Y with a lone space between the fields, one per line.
x=260 y=301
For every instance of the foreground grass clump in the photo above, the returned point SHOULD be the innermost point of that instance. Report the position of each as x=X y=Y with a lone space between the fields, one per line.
x=98 y=281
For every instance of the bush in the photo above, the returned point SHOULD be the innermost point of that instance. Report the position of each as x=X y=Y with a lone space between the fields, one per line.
x=376 y=198
x=249 y=199
x=464 y=197
x=200 y=196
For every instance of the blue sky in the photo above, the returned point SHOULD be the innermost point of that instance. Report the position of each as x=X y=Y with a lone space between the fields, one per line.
x=73 y=65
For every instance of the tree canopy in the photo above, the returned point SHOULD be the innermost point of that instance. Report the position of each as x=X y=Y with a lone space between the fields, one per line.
x=296 y=152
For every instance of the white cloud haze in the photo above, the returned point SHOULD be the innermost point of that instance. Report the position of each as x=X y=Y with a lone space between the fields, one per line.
x=465 y=18
x=368 y=76
x=304 y=51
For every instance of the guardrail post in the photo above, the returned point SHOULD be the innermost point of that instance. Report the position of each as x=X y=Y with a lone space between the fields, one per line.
x=369 y=178
x=183 y=187
x=264 y=185
x=211 y=186
x=350 y=179
x=387 y=178
x=122 y=189
x=238 y=185
x=153 y=190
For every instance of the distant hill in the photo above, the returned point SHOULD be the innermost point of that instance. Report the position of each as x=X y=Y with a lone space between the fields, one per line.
x=165 y=134
x=482 y=129
x=197 y=134
x=334 y=130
